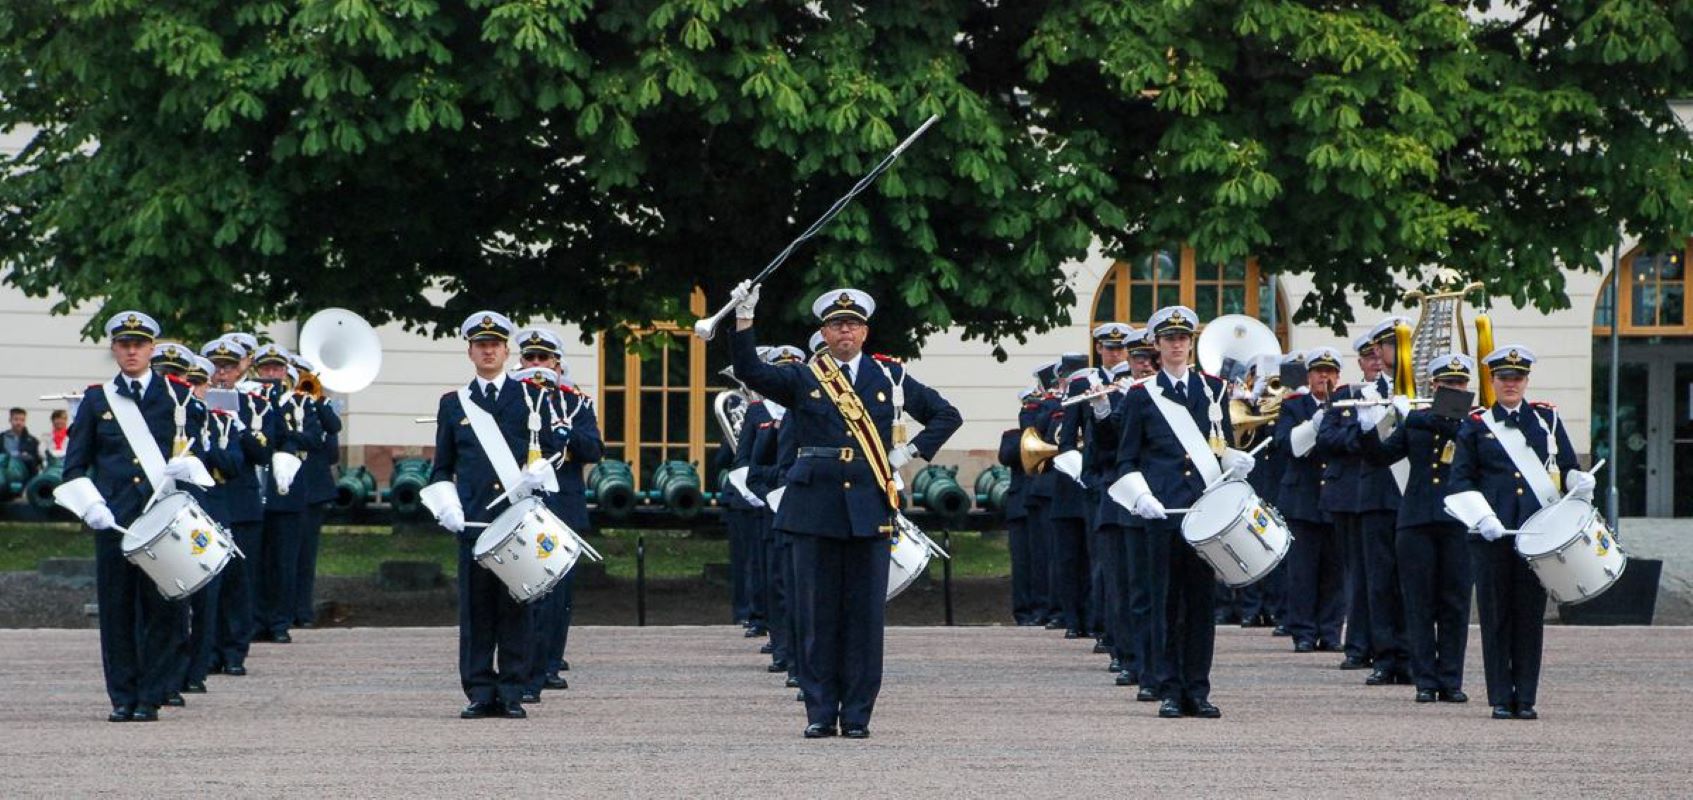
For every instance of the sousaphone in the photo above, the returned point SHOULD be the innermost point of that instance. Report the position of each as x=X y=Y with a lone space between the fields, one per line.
x=345 y=348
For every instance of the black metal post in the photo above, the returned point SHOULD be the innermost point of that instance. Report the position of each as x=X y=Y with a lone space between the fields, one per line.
x=641 y=581
x=946 y=575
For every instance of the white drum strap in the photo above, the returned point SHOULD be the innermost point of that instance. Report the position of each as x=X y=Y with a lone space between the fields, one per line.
x=1187 y=432
x=1516 y=446
x=898 y=398
x=139 y=436
x=493 y=442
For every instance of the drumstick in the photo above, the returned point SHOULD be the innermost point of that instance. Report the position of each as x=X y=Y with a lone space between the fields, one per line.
x=477 y=524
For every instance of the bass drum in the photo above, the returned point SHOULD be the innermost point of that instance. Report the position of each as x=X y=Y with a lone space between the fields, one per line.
x=1571 y=550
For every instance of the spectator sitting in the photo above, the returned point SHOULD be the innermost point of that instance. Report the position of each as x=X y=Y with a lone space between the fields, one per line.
x=61 y=420
x=19 y=445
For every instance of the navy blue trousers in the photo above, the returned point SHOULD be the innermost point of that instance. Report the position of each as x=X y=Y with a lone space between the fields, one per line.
x=237 y=596
x=1040 y=561
x=1070 y=570
x=842 y=588
x=1316 y=584
x=1023 y=609
x=549 y=631
x=777 y=603
x=492 y=626
x=1139 y=564
x=305 y=573
x=1512 y=606
x=1115 y=572
x=278 y=570
x=1184 y=597
x=1378 y=534
x=1349 y=528
x=1434 y=574
x=140 y=630
x=740 y=567
x=199 y=638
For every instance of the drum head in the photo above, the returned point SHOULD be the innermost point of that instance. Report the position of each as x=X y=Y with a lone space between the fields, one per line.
x=153 y=522
x=503 y=525
x=1554 y=526
x=1215 y=510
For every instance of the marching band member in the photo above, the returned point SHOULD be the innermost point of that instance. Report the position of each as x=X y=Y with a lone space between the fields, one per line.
x=1434 y=565
x=239 y=495
x=778 y=550
x=294 y=434
x=1339 y=497
x=1025 y=606
x=1376 y=506
x=1175 y=443
x=222 y=456
x=1509 y=462
x=758 y=570
x=482 y=435
x=1039 y=505
x=120 y=451
x=317 y=479
x=1099 y=445
x=579 y=445
x=841 y=496
x=1264 y=604
x=1316 y=563
x=1066 y=506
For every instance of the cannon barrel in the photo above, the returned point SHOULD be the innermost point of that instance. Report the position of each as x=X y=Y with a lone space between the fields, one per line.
x=39 y=490
x=936 y=489
x=14 y=473
x=991 y=487
x=354 y=487
x=611 y=487
x=404 y=488
x=677 y=486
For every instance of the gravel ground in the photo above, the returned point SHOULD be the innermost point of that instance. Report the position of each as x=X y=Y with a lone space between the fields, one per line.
x=690 y=711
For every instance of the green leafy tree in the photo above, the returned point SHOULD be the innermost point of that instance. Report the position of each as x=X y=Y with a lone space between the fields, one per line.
x=237 y=161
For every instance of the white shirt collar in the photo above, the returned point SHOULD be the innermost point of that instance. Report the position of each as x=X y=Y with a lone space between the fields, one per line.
x=1174 y=378
x=146 y=380
x=499 y=384
x=853 y=364
x=1512 y=409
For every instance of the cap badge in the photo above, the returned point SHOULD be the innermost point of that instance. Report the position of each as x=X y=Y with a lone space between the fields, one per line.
x=844 y=300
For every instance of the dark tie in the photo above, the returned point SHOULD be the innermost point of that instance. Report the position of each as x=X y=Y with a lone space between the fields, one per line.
x=847 y=368
x=1514 y=419
x=1181 y=390
x=135 y=389
x=490 y=393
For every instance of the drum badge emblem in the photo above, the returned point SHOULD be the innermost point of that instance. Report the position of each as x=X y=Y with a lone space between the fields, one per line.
x=201 y=540
x=1258 y=522
x=1604 y=543
x=545 y=544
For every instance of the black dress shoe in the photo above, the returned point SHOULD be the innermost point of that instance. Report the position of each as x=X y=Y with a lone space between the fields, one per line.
x=1328 y=647
x=766 y=649
x=1353 y=662
x=1053 y=624
x=282 y=638
x=1527 y=712
x=513 y=711
x=1170 y=709
x=855 y=731
x=194 y=687
x=1304 y=647
x=1127 y=678
x=818 y=730
x=531 y=697
x=1116 y=665
x=306 y=625
x=1503 y=712
x=1453 y=696
x=793 y=682
x=1426 y=695
x=480 y=710
x=1280 y=630
x=756 y=631
x=1101 y=648
x=120 y=714
x=556 y=682
x=1379 y=677
x=1146 y=695
x=1204 y=710
x=799 y=696
x=236 y=671
x=175 y=700
x=777 y=666
x=564 y=666
x=145 y=714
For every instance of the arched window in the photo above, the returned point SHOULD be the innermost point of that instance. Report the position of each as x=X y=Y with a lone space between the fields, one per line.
x=653 y=406
x=1131 y=291
x=1654 y=293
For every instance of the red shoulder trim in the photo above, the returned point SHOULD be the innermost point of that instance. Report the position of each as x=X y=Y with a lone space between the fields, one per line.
x=1137 y=386
x=887 y=358
x=95 y=385
x=1208 y=375
x=763 y=425
x=1542 y=404
x=179 y=381
x=567 y=389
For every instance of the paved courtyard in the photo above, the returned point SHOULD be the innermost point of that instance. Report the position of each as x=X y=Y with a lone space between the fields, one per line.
x=979 y=712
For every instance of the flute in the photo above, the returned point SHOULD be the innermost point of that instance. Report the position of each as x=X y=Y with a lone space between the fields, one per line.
x=1416 y=402
x=1092 y=394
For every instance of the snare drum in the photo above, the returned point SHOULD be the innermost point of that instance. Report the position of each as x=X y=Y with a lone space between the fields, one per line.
x=1239 y=535
x=529 y=548
x=178 y=545
x=1571 y=550
x=909 y=557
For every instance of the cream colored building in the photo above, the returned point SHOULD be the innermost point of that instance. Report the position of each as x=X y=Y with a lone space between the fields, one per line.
x=657 y=409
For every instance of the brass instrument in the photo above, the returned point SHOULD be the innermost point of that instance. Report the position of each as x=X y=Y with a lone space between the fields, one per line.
x=1440 y=329
x=730 y=408
x=1245 y=342
x=1035 y=452
x=309 y=385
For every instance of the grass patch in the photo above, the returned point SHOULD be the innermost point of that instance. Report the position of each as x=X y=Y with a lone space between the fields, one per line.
x=357 y=550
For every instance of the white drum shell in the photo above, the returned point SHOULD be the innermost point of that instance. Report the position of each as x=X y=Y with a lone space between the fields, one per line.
x=1239 y=535
x=178 y=545
x=908 y=556
x=529 y=548
x=1571 y=550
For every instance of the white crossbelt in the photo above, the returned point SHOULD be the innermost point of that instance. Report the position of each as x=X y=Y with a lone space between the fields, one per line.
x=139 y=436
x=493 y=442
x=1187 y=432
x=1516 y=446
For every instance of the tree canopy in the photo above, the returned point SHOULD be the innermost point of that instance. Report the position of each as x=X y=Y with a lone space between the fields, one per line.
x=239 y=161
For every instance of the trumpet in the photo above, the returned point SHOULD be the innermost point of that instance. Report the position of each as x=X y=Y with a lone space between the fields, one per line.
x=1416 y=402
x=1093 y=394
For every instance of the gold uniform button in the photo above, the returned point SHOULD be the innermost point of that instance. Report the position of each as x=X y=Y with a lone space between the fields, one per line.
x=1322 y=483
x=1187 y=472
x=496 y=486
x=846 y=484
x=1519 y=490
x=135 y=461
x=1516 y=474
x=1437 y=481
x=137 y=479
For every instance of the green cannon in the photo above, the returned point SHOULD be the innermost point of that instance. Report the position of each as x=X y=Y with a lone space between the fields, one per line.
x=991 y=487
x=14 y=474
x=354 y=487
x=936 y=489
x=39 y=490
x=677 y=486
x=406 y=486
x=611 y=487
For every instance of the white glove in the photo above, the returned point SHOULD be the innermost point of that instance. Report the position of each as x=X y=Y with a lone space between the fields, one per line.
x=1148 y=507
x=1370 y=416
x=1490 y=529
x=1238 y=462
x=532 y=483
x=1101 y=406
x=1402 y=405
x=99 y=517
x=1317 y=418
x=745 y=298
x=901 y=456
x=188 y=469
x=1581 y=485
x=451 y=518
